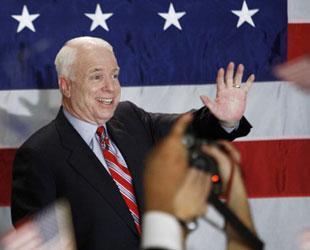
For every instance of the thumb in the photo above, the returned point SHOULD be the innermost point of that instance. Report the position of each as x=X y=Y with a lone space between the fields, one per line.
x=208 y=103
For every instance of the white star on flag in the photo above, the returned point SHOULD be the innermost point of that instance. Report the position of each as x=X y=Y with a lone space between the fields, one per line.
x=25 y=19
x=172 y=17
x=245 y=15
x=99 y=19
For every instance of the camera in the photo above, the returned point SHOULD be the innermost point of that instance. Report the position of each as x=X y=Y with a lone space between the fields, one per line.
x=201 y=160
x=207 y=163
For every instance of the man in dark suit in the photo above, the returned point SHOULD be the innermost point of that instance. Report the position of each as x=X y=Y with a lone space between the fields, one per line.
x=68 y=157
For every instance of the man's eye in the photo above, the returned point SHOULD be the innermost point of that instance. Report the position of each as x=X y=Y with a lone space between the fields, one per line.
x=115 y=76
x=96 y=77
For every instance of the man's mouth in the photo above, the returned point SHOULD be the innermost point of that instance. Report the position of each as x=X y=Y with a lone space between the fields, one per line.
x=103 y=100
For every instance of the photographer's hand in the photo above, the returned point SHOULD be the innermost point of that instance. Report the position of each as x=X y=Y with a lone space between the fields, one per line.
x=170 y=185
x=166 y=168
x=190 y=199
x=228 y=163
x=173 y=189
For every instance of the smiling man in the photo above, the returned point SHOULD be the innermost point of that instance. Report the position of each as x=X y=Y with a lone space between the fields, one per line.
x=93 y=153
x=88 y=79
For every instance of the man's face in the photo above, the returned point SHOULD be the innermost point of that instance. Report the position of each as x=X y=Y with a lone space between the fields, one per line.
x=95 y=90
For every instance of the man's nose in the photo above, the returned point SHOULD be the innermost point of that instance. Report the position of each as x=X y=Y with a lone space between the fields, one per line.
x=108 y=84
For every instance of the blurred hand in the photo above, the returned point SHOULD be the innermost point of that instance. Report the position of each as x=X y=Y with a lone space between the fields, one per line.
x=230 y=102
x=166 y=168
x=224 y=163
x=296 y=71
x=190 y=200
x=170 y=185
x=228 y=162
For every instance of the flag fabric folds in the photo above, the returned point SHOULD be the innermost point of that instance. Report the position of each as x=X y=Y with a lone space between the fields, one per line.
x=189 y=51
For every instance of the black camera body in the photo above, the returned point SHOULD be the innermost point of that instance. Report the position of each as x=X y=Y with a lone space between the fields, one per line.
x=202 y=161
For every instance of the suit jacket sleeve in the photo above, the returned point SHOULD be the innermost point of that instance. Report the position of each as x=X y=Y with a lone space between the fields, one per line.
x=32 y=184
x=205 y=125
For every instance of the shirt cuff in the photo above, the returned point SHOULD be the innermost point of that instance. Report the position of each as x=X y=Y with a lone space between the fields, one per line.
x=161 y=230
x=230 y=129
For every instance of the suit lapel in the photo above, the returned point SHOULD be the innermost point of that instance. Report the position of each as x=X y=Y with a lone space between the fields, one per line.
x=85 y=162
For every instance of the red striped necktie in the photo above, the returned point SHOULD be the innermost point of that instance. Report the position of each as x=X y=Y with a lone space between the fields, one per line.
x=120 y=174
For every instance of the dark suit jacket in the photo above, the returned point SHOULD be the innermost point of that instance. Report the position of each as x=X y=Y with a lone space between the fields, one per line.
x=55 y=162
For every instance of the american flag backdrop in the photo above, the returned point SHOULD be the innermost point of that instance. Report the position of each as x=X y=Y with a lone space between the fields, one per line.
x=169 y=53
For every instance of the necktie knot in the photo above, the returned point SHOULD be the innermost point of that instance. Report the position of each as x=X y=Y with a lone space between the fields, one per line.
x=103 y=138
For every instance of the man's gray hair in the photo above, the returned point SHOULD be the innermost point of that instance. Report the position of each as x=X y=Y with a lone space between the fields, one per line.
x=67 y=54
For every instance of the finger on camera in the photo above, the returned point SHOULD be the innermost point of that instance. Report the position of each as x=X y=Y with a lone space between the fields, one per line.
x=181 y=125
x=223 y=161
x=231 y=150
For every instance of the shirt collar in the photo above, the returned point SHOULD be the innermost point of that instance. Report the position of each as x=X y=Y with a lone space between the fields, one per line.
x=85 y=129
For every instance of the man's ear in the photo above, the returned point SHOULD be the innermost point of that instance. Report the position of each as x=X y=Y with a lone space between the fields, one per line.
x=64 y=86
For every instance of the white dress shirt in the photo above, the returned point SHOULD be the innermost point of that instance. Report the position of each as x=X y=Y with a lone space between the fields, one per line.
x=161 y=230
x=88 y=133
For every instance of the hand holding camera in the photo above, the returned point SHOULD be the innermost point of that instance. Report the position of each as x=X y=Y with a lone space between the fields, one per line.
x=172 y=186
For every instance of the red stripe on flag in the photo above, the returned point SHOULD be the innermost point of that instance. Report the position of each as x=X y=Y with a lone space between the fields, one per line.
x=298 y=40
x=278 y=168
x=6 y=161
